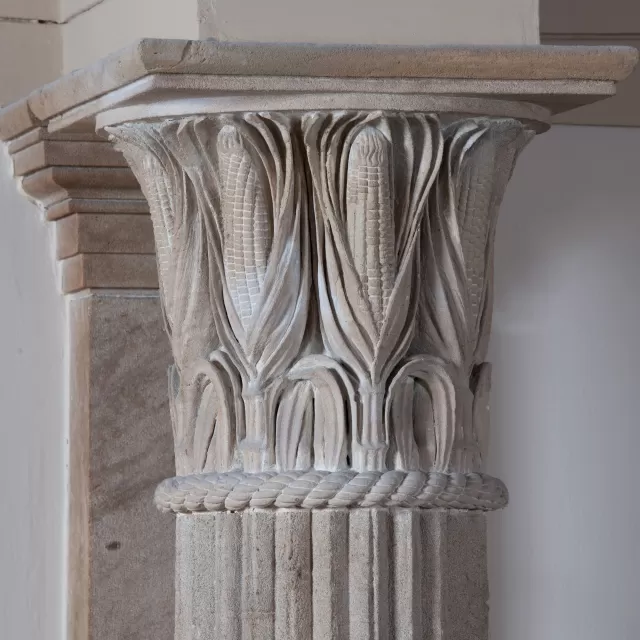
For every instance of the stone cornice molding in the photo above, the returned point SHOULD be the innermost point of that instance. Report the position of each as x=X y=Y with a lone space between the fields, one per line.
x=208 y=57
x=573 y=75
x=104 y=238
x=87 y=189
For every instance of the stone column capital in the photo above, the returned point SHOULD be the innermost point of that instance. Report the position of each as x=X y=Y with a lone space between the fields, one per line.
x=326 y=278
x=324 y=218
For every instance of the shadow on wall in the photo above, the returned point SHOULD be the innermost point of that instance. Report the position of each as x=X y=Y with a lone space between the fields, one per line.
x=563 y=557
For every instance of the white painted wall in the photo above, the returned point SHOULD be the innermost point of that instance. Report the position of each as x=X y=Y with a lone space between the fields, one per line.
x=32 y=432
x=29 y=9
x=564 y=558
x=372 y=21
x=40 y=40
x=107 y=26
x=30 y=46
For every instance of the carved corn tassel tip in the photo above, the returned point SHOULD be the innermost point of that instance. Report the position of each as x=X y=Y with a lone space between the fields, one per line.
x=370 y=223
x=247 y=227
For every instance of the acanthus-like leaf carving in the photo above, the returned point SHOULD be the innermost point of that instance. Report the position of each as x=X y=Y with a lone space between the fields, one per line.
x=439 y=381
x=457 y=245
x=334 y=404
x=184 y=256
x=243 y=211
x=267 y=270
x=366 y=349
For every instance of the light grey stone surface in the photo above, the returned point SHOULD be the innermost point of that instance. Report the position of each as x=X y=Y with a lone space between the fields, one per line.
x=293 y=591
x=330 y=531
x=407 y=574
x=155 y=56
x=121 y=549
x=258 y=589
x=362 y=574
x=466 y=578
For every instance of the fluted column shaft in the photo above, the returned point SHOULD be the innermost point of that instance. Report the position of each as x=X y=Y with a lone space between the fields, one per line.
x=332 y=573
x=326 y=280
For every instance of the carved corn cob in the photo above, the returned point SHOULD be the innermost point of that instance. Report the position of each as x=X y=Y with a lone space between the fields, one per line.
x=370 y=222
x=247 y=228
x=483 y=171
x=158 y=195
x=474 y=206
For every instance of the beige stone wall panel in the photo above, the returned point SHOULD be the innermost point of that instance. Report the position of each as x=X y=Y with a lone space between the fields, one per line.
x=120 y=548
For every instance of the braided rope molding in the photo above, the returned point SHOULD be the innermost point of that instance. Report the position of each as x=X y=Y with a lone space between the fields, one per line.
x=314 y=489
